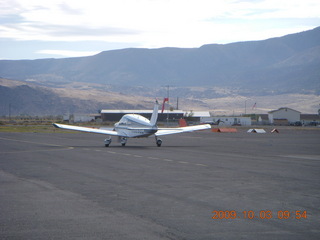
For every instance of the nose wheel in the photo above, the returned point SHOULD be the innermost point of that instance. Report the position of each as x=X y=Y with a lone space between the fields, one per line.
x=159 y=142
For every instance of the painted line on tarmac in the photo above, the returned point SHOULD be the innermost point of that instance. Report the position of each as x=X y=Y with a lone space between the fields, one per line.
x=306 y=157
x=24 y=141
x=156 y=158
x=202 y=165
x=167 y=160
x=62 y=148
x=43 y=150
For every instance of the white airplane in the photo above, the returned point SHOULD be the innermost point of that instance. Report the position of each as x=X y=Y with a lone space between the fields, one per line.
x=135 y=126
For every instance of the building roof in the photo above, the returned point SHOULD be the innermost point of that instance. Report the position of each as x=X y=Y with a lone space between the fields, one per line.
x=139 y=111
x=200 y=114
x=284 y=108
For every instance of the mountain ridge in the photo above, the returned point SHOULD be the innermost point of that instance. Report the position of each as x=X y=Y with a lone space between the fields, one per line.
x=202 y=78
x=235 y=64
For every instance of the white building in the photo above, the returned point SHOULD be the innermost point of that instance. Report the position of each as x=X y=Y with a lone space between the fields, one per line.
x=200 y=116
x=72 y=118
x=284 y=114
x=229 y=121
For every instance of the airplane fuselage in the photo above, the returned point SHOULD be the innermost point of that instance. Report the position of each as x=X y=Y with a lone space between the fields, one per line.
x=133 y=125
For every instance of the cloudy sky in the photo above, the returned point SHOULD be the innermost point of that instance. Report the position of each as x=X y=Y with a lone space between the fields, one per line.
x=31 y=29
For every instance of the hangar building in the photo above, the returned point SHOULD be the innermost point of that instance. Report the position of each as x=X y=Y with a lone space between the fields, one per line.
x=284 y=116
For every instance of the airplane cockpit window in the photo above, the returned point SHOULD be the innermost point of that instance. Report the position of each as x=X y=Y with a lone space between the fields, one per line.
x=136 y=121
x=123 y=121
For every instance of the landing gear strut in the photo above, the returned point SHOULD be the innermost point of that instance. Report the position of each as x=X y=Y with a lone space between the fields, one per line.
x=107 y=142
x=158 y=141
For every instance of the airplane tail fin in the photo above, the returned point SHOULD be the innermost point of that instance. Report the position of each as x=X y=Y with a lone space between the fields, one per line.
x=154 y=116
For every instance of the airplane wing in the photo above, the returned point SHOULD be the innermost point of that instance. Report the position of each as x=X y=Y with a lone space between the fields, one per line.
x=167 y=131
x=87 y=129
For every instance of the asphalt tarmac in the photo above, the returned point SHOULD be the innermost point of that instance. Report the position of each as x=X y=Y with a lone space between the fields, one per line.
x=201 y=185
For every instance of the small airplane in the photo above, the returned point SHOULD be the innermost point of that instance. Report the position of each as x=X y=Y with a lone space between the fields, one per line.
x=135 y=126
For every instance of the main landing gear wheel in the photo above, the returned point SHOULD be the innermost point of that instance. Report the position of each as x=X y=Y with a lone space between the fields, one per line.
x=107 y=142
x=123 y=141
x=159 y=142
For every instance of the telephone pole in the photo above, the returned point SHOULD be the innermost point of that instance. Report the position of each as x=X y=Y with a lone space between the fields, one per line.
x=168 y=95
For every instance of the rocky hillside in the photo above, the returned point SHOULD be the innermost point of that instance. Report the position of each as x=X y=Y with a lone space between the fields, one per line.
x=31 y=99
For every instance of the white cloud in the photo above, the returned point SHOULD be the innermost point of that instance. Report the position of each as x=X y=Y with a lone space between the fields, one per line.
x=65 y=53
x=155 y=23
x=163 y=16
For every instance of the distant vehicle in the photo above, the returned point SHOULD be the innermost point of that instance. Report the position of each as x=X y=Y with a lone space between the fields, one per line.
x=298 y=123
x=313 y=123
x=135 y=126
